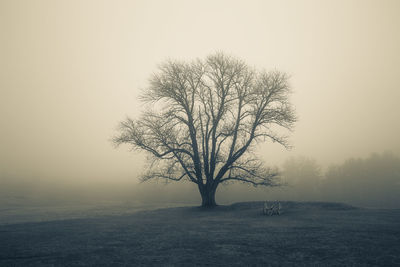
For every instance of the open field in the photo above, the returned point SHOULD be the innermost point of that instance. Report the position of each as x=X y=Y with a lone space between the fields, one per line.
x=307 y=234
x=41 y=212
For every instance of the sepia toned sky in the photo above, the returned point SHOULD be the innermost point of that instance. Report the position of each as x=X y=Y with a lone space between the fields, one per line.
x=71 y=70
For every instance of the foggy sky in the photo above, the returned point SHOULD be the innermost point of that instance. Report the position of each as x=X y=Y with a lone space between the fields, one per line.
x=71 y=70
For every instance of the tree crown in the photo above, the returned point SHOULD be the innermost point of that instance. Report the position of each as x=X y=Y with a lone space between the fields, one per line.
x=204 y=117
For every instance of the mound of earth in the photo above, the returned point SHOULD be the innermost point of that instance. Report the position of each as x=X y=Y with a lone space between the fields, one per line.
x=293 y=205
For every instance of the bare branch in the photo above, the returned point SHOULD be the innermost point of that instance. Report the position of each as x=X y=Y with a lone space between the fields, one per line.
x=205 y=116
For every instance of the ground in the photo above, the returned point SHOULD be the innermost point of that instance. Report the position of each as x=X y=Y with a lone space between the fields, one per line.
x=306 y=234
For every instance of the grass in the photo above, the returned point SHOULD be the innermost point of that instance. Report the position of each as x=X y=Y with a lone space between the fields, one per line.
x=307 y=234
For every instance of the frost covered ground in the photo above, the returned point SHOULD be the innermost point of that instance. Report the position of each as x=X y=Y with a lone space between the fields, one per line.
x=306 y=234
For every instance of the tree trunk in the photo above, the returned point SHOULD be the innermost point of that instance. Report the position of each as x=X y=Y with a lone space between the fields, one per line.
x=208 y=197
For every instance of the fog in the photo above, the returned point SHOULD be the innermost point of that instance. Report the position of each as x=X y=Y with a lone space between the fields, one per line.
x=71 y=70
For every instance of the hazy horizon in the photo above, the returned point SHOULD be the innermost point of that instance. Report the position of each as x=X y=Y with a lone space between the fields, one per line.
x=71 y=70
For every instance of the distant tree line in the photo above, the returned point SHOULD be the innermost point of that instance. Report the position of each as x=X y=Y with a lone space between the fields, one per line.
x=371 y=181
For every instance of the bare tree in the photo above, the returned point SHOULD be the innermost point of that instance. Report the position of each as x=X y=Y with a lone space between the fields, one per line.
x=209 y=114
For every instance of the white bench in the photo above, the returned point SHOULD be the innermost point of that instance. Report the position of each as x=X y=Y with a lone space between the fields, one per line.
x=274 y=208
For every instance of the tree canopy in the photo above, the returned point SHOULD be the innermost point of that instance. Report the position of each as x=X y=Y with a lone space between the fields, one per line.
x=204 y=117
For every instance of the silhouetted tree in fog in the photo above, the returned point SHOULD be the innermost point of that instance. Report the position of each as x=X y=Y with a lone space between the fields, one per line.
x=303 y=176
x=373 y=181
x=209 y=114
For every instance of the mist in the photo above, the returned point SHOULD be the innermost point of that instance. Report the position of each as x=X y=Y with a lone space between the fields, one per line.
x=71 y=70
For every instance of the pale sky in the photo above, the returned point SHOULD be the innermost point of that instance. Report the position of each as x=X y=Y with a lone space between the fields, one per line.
x=71 y=70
